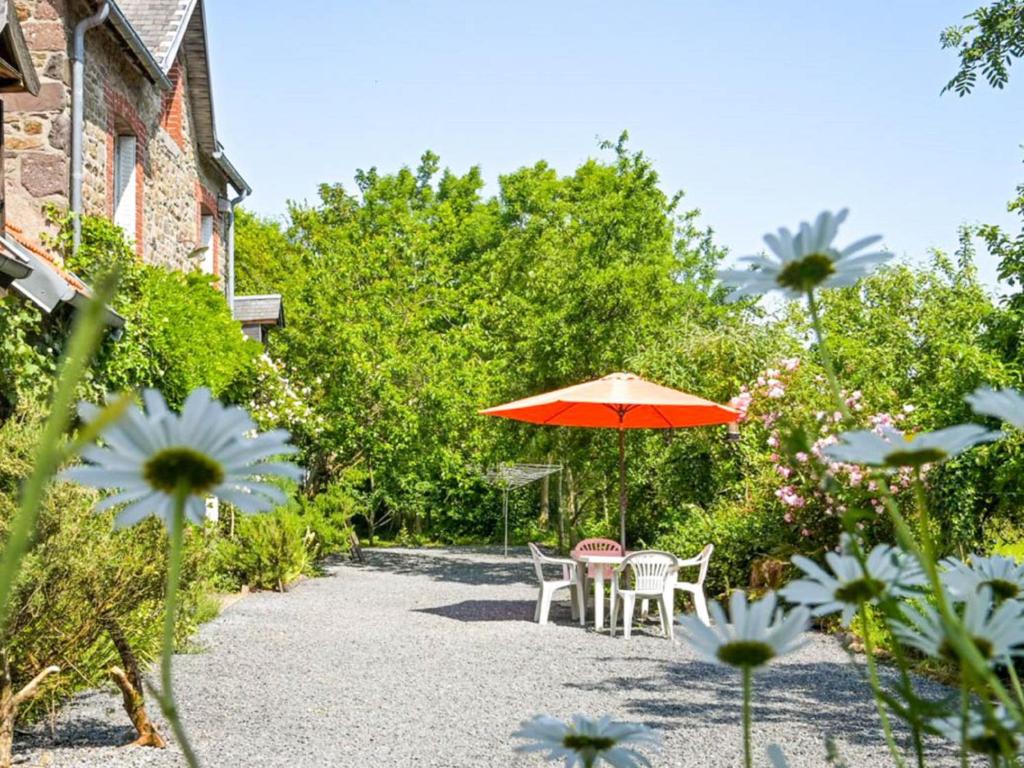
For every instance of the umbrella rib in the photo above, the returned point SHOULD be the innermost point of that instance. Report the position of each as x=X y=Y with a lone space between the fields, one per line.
x=657 y=410
x=557 y=413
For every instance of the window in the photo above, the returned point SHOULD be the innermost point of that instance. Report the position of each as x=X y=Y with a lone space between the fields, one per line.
x=206 y=241
x=124 y=185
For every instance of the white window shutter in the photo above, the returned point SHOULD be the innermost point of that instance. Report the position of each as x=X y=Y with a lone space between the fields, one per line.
x=206 y=241
x=124 y=185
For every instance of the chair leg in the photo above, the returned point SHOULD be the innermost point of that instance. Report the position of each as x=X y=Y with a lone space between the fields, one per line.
x=614 y=612
x=545 y=604
x=581 y=600
x=665 y=609
x=644 y=609
x=628 y=604
x=540 y=600
x=701 y=604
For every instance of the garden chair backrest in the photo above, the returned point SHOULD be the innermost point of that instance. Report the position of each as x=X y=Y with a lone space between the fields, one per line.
x=703 y=560
x=651 y=570
x=705 y=555
x=538 y=557
x=598 y=547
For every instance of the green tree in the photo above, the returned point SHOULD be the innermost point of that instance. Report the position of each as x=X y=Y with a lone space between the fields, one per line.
x=988 y=43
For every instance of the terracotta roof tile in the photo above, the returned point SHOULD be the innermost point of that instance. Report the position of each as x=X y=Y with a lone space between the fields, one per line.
x=18 y=234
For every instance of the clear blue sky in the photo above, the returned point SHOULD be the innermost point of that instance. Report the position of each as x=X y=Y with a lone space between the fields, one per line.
x=763 y=112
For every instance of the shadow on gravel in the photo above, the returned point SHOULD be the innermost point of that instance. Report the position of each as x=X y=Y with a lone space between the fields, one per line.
x=828 y=697
x=443 y=566
x=79 y=732
x=486 y=610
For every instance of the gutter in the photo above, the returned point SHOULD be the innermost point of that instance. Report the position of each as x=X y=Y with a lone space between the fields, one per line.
x=78 y=116
x=244 y=190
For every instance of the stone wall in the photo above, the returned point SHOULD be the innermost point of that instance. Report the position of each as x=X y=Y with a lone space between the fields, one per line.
x=175 y=183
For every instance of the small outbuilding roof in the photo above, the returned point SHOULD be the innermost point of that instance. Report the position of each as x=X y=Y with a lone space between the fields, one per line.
x=265 y=309
x=47 y=284
x=13 y=264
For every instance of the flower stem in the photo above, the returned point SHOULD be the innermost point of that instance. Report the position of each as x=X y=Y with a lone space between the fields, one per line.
x=166 y=694
x=1015 y=680
x=52 y=451
x=826 y=358
x=876 y=688
x=748 y=754
x=965 y=702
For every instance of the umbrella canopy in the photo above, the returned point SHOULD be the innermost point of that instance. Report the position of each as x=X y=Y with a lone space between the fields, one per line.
x=618 y=401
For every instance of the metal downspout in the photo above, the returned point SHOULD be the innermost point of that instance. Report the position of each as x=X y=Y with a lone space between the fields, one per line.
x=230 y=293
x=78 y=117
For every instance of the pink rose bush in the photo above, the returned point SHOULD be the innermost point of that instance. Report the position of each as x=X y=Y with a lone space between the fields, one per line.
x=813 y=492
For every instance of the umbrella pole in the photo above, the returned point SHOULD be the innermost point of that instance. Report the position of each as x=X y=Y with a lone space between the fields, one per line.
x=622 y=487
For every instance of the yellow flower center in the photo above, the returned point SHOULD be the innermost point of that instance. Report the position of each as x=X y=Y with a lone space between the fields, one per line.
x=579 y=742
x=862 y=590
x=746 y=653
x=175 y=467
x=810 y=271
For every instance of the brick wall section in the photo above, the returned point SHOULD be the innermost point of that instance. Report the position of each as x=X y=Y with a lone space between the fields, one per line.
x=206 y=205
x=118 y=98
x=172 y=119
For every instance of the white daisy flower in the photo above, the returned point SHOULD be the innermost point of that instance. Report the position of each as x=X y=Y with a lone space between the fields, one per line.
x=997 y=631
x=757 y=634
x=804 y=261
x=588 y=742
x=1006 y=404
x=987 y=734
x=1003 y=575
x=149 y=454
x=894 y=449
x=889 y=573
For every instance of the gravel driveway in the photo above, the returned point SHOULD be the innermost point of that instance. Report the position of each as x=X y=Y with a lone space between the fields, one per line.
x=430 y=658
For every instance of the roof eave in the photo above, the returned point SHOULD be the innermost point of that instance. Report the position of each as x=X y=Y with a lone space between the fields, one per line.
x=231 y=173
x=179 y=36
x=154 y=71
x=22 y=54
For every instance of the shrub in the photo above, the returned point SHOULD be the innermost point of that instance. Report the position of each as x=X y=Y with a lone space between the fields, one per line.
x=81 y=575
x=267 y=551
x=742 y=536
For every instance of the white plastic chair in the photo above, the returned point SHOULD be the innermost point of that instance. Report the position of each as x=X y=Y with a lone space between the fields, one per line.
x=652 y=574
x=548 y=588
x=694 y=588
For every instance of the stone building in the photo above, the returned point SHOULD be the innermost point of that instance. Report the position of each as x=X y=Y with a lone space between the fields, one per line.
x=151 y=158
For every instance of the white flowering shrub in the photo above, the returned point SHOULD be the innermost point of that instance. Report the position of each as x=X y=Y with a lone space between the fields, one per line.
x=278 y=402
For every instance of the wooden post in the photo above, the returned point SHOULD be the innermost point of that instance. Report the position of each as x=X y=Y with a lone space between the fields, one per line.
x=9 y=704
x=129 y=680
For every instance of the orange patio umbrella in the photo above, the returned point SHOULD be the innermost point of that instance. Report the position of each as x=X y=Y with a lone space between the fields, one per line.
x=618 y=401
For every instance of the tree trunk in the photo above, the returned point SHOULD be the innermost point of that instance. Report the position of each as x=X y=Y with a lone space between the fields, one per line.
x=545 y=500
x=571 y=501
x=129 y=680
x=9 y=704
x=561 y=516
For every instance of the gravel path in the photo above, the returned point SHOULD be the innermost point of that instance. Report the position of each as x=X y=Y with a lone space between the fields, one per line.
x=431 y=658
